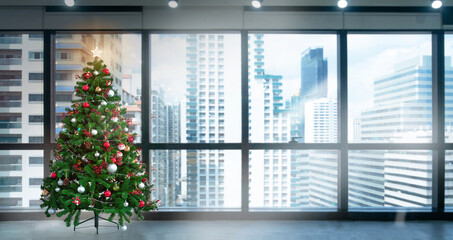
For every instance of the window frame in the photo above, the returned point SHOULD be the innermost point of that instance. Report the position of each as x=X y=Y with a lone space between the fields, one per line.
x=438 y=145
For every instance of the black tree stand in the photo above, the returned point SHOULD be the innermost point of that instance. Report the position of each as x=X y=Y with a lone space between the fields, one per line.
x=96 y=223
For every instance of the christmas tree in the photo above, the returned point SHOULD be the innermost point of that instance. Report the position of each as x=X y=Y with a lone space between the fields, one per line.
x=96 y=168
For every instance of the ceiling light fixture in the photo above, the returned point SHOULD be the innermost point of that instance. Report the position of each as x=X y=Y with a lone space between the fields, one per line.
x=342 y=3
x=436 y=4
x=69 y=3
x=257 y=3
x=173 y=3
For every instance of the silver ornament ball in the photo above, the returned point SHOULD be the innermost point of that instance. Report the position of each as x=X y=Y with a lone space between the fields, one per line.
x=125 y=204
x=126 y=129
x=81 y=189
x=123 y=228
x=60 y=182
x=95 y=73
x=103 y=103
x=73 y=120
x=111 y=168
x=96 y=154
x=51 y=211
x=57 y=189
x=141 y=185
x=94 y=131
x=111 y=93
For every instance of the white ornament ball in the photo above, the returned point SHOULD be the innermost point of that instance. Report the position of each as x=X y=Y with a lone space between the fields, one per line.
x=102 y=117
x=111 y=168
x=60 y=182
x=114 y=119
x=73 y=120
x=103 y=103
x=123 y=228
x=81 y=189
x=57 y=189
x=141 y=185
x=94 y=132
x=119 y=154
x=126 y=129
x=51 y=211
x=111 y=93
x=125 y=204
x=95 y=73
x=121 y=146
x=96 y=154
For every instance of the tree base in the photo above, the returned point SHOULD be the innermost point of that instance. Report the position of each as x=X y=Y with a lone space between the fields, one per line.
x=96 y=223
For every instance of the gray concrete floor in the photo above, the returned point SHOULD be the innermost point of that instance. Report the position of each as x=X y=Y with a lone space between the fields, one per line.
x=224 y=230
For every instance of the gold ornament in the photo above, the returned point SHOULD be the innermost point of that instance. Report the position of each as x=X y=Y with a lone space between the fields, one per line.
x=116 y=187
x=45 y=192
x=127 y=149
x=98 y=89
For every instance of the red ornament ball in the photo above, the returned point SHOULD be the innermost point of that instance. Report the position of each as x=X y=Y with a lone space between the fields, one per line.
x=130 y=139
x=106 y=144
x=144 y=180
x=113 y=160
x=107 y=193
x=53 y=175
x=85 y=87
x=141 y=204
x=106 y=71
x=86 y=105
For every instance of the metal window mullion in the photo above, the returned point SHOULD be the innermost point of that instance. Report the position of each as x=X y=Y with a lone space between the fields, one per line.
x=245 y=124
x=48 y=97
x=438 y=112
x=145 y=96
x=343 y=122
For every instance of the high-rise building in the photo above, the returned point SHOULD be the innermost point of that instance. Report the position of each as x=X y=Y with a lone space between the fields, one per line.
x=165 y=122
x=313 y=74
x=401 y=113
x=21 y=118
x=321 y=121
x=356 y=129
x=205 y=118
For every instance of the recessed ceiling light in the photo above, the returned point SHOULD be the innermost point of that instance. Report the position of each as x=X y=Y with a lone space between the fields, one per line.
x=69 y=3
x=342 y=3
x=173 y=3
x=257 y=3
x=436 y=4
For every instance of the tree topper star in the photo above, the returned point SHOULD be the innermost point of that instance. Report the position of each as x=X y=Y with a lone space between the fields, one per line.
x=96 y=52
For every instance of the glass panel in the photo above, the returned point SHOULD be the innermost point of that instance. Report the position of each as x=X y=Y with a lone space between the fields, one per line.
x=122 y=55
x=390 y=178
x=20 y=96
x=195 y=88
x=283 y=179
x=449 y=179
x=390 y=90
x=293 y=88
x=197 y=179
x=21 y=174
x=448 y=88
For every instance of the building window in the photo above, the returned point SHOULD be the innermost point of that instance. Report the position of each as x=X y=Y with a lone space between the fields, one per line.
x=36 y=55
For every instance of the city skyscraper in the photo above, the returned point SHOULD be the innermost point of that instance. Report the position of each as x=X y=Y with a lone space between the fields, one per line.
x=205 y=118
x=397 y=178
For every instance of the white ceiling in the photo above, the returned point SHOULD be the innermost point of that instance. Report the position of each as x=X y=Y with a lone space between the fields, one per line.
x=388 y=3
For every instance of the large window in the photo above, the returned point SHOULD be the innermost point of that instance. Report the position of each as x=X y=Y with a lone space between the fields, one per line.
x=197 y=178
x=19 y=97
x=197 y=152
x=292 y=88
x=122 y=55
x=195 y=88
x=448 y=88
x=285 y=179
x=389 y=88
x=21 y=174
